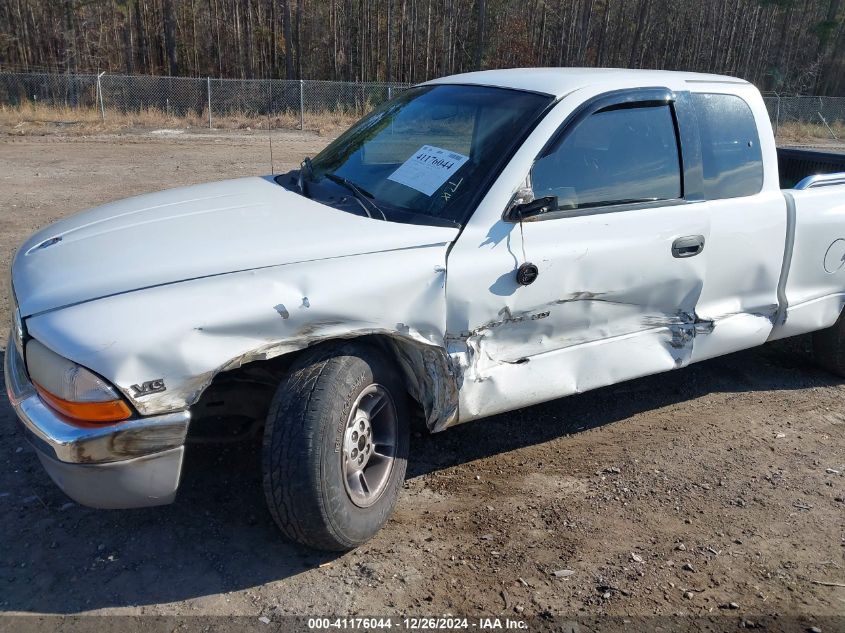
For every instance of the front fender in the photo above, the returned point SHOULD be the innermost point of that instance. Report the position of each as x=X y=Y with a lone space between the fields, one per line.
x=185 y=333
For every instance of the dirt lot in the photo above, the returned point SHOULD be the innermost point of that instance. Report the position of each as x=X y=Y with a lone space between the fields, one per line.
x=717 y=490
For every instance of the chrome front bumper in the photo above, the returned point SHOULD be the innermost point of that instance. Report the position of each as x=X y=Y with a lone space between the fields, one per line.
x=130 y=464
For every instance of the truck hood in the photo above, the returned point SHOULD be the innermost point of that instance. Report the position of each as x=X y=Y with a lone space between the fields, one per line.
x=194 y=232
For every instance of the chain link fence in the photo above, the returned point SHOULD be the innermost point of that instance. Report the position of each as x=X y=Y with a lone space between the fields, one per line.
x=218 y=102
x=291 y=103
x=826 y=112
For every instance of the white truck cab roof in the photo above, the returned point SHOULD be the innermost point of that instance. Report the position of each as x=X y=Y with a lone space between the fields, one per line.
x=560 y=82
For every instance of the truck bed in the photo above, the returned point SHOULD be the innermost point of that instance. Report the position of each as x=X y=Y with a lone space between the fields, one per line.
x=796 y=164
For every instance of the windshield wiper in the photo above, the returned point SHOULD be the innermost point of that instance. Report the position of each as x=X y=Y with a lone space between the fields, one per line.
x=363 y=196
x=303 y=179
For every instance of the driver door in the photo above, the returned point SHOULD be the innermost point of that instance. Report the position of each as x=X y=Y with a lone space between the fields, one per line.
x=618 y=255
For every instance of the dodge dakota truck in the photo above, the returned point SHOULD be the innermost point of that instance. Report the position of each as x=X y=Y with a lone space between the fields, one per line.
x=479 y=243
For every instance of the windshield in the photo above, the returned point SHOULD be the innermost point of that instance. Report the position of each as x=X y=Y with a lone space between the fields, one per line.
x=426 y=152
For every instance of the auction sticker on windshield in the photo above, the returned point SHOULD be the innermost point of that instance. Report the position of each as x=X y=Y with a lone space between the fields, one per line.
x=428 y=168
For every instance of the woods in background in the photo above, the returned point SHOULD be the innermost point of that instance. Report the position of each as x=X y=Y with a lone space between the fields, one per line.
x=790 y=46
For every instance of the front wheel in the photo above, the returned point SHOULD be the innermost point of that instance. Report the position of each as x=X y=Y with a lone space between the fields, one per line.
x=336 y=447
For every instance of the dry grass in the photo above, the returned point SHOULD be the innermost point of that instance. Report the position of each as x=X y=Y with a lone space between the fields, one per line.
x=810 y=132
x=37 y=118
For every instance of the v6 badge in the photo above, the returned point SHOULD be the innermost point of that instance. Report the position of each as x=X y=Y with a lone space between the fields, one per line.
x=149 y=387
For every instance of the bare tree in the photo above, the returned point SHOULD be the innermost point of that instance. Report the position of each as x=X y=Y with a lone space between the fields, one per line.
x=286 y=29
x=479 y=34
x=169 y=23
x=788 y=45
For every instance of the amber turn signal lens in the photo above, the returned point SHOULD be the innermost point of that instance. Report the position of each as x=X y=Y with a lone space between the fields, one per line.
x=109 y=411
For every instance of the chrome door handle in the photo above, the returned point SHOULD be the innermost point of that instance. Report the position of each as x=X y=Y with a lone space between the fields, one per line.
x=688 y=246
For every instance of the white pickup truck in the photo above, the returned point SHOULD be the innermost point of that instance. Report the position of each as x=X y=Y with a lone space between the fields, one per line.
x=480 y=243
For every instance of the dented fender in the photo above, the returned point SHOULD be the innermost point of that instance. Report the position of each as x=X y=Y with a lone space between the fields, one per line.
x=186 y=333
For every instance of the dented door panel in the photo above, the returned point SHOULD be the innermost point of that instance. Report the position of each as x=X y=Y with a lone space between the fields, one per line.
x=608 y=287
x=744 y=257
x=489 y=388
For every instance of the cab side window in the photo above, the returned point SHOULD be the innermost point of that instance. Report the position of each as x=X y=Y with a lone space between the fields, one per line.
x=730 y=146
x=618 y=155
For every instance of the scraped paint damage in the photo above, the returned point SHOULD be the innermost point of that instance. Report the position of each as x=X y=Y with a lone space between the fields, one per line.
x=554 y=363
x=569 y=345
x=683 y=325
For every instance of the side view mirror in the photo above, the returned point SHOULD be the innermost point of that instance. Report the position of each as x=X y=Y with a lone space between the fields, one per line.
x=525 y=210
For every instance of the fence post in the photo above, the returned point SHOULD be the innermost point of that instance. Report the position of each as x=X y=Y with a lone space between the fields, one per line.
x=270 y=122
x=301 y=104
x=100 y=95
x=208 y=85
x=777 y=115
x=826 y=125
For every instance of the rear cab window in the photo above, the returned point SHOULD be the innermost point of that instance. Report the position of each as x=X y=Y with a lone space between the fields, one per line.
x=732 y=162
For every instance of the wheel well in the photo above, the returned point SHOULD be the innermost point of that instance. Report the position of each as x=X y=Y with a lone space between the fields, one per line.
x=235 y=404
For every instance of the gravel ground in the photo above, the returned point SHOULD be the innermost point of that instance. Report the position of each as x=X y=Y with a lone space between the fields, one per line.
x=714 y=491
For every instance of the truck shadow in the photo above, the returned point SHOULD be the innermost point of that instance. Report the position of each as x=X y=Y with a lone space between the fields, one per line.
x=58 y=557
x=778 y=366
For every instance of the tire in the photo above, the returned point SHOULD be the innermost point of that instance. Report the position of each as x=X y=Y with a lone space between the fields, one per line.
x=311 y=453
x=829 y=347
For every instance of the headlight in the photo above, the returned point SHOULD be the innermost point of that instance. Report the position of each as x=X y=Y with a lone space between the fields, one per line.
x=71 y=389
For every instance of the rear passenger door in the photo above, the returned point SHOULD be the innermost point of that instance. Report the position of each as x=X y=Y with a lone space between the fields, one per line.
x=747 y=217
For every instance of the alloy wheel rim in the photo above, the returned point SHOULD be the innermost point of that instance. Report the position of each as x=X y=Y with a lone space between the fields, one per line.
x=369 y=446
